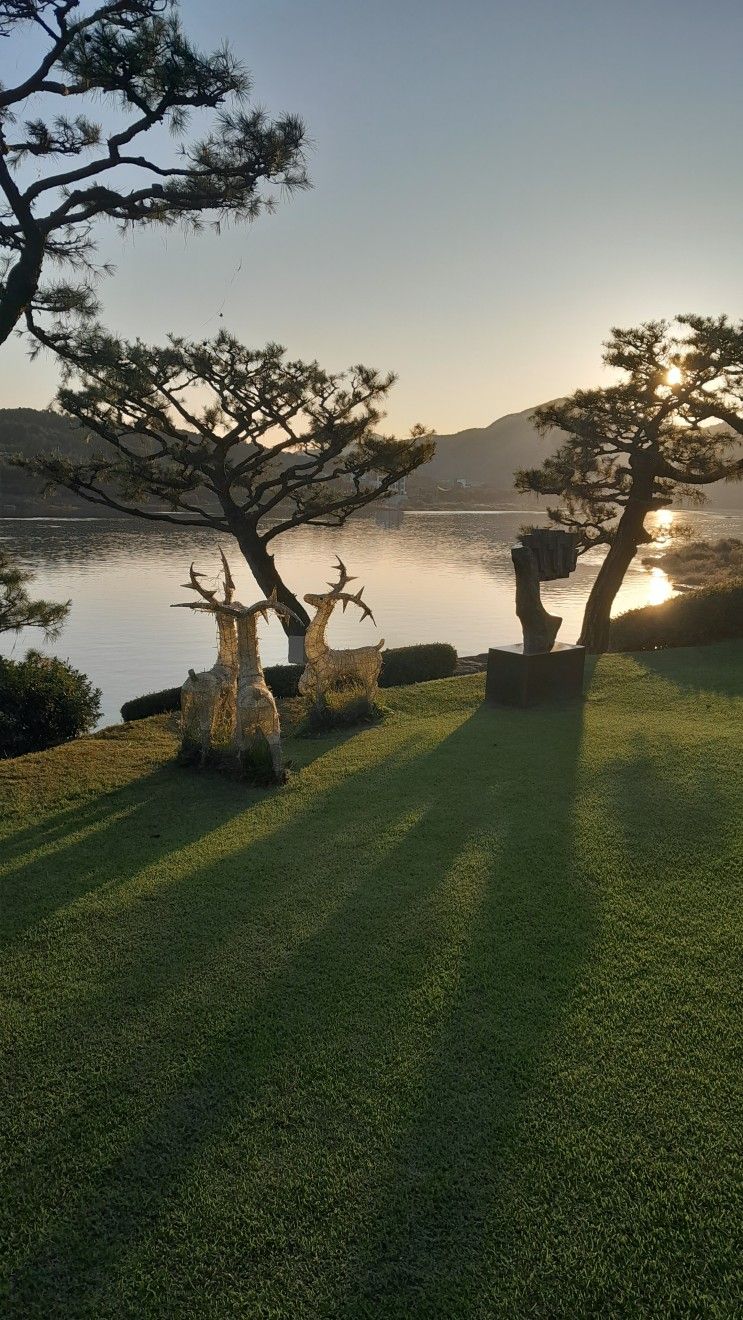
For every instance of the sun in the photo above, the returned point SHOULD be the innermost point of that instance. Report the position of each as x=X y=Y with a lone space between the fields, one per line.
x=673 y=376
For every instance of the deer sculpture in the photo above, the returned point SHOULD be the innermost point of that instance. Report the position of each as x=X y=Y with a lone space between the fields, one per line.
x=253 y=713
x=257 y=716
x=327 y=668
x=208 y=699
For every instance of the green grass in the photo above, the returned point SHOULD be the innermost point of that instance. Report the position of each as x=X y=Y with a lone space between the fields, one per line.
x=445 y=1028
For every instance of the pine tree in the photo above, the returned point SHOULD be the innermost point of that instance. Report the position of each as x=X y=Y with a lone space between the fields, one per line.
x=214 y=434
x=671 y=425
x=60 y=173
x=18 y=611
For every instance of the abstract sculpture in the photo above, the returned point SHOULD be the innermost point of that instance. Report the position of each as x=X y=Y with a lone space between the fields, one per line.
x=230 y=709
x=542 y=556
x=208 y=698
x=538 y=669
x=327 y=668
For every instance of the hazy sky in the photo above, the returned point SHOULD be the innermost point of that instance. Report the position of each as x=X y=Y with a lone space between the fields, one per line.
x=496 y=182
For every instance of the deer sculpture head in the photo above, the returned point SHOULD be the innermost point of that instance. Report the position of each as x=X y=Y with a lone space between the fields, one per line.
x=327 y=600
x=210 y=603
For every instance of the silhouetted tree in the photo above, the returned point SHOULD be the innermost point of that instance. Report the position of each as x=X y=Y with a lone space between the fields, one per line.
x=17 y=610
x=134 y=56
x=672 y=425
x=213 y=434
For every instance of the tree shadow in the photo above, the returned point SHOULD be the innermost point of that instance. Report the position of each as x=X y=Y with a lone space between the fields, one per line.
x=715 y=668
x=68 y=854
x=324 y=1072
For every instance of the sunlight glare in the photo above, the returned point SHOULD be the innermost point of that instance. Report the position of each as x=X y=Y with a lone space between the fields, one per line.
x=660 y=587
x=673 y=376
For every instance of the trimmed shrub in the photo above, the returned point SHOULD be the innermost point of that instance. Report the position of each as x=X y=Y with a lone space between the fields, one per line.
x=283 y=680
x=416 y=664
x=43 y=701
x=153 y=703
x=400 y=666
x=711 y=614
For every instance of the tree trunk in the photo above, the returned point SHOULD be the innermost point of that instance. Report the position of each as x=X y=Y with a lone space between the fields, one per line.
x=629 y=535
x=20 y=288
x=263 y=567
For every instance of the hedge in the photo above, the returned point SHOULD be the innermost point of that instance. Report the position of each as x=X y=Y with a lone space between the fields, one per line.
x=400 y=666
x=404 y=665
x=710 y=614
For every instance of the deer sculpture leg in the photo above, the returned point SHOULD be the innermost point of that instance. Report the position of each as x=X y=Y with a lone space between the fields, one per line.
x=257 y=725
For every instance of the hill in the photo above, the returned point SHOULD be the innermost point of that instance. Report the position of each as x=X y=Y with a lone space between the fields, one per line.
x=488 y=456
x=474 y=466
x=30 y=431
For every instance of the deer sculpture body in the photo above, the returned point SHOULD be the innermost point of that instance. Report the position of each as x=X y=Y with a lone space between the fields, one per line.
x=208 y=698
x=253 y=715
x=257 y=716
x=327 y=668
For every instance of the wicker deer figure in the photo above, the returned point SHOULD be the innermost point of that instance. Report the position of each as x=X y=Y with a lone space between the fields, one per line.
x=208 y=698
x=325 y=667
x=257 y=716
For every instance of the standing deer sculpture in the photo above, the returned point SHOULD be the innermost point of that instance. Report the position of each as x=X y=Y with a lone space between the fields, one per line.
x=254 y=716
x=208 y=698
x=326 y=668
x=257 y=717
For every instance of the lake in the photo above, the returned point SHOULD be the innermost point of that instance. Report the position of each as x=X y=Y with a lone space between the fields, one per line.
x=436 y=577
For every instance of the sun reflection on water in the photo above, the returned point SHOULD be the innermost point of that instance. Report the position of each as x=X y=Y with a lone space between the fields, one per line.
x=660 y=587
x=663 y=526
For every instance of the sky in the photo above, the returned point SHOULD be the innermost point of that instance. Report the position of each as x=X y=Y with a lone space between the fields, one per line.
x=495 y=184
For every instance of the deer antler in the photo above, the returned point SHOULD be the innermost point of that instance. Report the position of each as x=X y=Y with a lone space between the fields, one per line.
x=272 y=603
x=343 y=577
x=195 y=585
x=229 y=581
x=348 y=599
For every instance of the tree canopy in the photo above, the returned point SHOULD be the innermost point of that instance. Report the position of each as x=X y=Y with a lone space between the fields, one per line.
x=61 y=172
x=214 y=434
x=18 y=611
x=670 y=425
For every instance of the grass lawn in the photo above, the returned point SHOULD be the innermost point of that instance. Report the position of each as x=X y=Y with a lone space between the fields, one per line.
x=445 y=1028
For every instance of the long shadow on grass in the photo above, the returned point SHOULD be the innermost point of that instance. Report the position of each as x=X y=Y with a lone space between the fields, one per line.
x=356 y=1095
x=108 y=839
x=716 y=668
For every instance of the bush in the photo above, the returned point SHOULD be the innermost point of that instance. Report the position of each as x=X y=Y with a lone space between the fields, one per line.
x=283 y=680
x=701 y=563
x=400 y=666
x=711 y=614
x=43 y=701
x=153 y=703
x=416 y=664
x=339 y=710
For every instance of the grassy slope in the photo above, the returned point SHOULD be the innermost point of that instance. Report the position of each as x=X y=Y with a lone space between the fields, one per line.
x=444 y=1028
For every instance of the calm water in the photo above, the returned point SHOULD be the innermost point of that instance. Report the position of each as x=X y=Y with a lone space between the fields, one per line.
x=437 y=577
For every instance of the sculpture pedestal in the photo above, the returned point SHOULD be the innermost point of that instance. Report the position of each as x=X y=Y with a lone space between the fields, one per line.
x=515 y=679
x=296 y=649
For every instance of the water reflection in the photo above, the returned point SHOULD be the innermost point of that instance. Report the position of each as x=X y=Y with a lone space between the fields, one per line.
x=660 y=587
x=431 y=577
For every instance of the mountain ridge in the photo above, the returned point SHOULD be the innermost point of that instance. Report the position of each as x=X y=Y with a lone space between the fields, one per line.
x=480 y=458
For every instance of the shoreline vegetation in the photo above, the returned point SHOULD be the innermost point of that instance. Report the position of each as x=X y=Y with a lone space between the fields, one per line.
x=410 y=1036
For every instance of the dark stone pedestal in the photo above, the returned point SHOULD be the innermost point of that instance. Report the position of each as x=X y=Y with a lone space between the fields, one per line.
x=515 y=679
